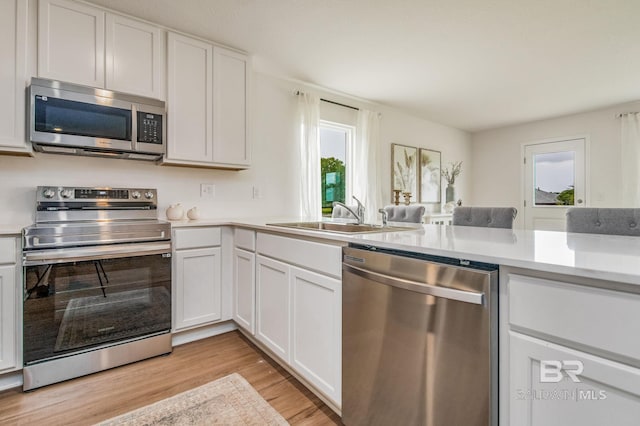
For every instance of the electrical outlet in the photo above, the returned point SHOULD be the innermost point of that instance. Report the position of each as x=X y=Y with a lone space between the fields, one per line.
x=207 y=190
x=256 y=192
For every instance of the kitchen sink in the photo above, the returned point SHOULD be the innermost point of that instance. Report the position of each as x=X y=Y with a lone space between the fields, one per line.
x=343 y=228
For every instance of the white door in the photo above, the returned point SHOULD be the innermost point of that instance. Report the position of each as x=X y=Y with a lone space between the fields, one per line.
x=8 y=324
x=554 y=179
x=197 y=287
x=316 y=330
x=189 y=99
x=244 y=279
x=134 y=57
x=13 y=52
x=602 y=392
x=71 y=42
x=272 y=305
x=230 y=78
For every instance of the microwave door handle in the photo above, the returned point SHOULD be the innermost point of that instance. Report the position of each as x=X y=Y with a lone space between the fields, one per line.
x=134 y=127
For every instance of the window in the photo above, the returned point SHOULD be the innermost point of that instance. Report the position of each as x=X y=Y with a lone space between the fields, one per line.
x=335 y=159
x=554 y=177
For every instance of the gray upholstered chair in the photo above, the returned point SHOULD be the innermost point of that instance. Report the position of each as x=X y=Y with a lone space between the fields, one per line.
x=612 y=221
x=409 y=214
x=340 y=212
x=488 y=217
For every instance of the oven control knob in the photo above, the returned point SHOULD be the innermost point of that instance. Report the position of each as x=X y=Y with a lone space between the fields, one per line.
x=135 y=195
x=148 y=195
x=48 y=193
x=66 y=193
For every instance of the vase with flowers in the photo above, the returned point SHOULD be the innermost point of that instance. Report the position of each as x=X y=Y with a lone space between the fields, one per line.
x=450 y=174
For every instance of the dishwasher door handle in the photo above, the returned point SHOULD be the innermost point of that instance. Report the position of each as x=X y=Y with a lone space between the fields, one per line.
x=432 y=290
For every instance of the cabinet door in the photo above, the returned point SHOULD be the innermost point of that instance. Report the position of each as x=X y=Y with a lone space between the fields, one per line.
x=230 y=107
x=13 y=76
x=272 y=305
x=316 y=330
x=8 y=325
x=608 y=393
x=71 y=42
x=189 y=99
x=197 y=287
x=134 y=57
x=244 y=280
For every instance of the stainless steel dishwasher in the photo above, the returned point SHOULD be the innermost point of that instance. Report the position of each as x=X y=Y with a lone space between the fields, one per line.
x=419 y=339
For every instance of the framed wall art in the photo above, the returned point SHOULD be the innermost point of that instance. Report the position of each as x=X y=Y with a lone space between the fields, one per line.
x=430 y=164
x=404 y=163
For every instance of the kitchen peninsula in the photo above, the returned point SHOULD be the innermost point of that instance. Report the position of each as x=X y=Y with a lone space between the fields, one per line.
x=562 y=296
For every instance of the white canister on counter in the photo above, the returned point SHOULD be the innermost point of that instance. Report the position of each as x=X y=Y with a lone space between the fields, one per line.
x=175 y=212
x=193 y=213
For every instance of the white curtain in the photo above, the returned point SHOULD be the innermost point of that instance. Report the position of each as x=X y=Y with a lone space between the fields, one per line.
x=366 y=168
x=630 y=159
x=309 y=155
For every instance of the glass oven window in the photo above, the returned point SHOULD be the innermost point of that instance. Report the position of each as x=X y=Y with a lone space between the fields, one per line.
x=76 y=306
x=53 y=115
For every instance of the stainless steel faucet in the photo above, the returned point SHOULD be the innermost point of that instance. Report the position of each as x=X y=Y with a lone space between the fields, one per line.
x=360 y=210
x=359 y=214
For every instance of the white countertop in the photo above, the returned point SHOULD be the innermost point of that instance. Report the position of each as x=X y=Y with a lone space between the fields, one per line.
x=615 y=258
x=10 y=230
x=608 y=257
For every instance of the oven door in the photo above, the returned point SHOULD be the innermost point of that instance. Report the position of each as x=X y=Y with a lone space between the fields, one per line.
x=81 y=299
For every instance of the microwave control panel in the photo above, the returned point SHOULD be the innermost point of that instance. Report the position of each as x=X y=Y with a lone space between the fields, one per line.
x=149 y=128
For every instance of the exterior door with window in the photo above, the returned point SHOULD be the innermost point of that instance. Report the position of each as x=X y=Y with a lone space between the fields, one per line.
x=554 y=180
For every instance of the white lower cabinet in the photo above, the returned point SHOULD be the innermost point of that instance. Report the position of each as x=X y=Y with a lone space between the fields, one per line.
x=316 y=329
x=272 y=305
x=197 y=277
x=603 y=392
x=244 y=276
x=569 y=350
x=8 y=321
x=299 y=308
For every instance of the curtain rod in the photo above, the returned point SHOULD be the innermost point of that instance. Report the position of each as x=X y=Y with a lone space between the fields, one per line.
x=626 y=113
x=332 y=102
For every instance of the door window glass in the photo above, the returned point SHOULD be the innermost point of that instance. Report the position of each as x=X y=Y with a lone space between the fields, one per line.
x=554 y=178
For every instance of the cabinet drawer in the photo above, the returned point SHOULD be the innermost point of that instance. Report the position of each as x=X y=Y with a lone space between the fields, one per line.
x=245 y=239
x=7 y=250
x=196 y=237
x=603 y=319
x=324 y=258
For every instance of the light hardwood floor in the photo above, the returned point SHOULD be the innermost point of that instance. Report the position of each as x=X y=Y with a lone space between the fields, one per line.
x=103 y=395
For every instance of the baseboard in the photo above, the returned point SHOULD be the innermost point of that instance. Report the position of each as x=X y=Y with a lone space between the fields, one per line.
x=301 y=379
x=181 y=337
x=11 y=380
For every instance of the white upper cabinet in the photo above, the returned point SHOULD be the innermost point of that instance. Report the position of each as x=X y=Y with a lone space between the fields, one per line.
x=134 y=57
x=13 y=75
x=206 y=105
x=189 y=100
x=81 y=44
x=71 y=42
x=230 y=79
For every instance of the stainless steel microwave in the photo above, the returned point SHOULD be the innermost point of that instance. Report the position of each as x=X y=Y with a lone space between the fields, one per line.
x=67 y=118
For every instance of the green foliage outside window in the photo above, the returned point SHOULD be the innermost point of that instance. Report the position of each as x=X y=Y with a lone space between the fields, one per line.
x=332 y=175
x=565 y=198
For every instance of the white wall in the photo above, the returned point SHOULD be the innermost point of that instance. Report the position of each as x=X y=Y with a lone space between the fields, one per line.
x=497 y=163
x=273 y=134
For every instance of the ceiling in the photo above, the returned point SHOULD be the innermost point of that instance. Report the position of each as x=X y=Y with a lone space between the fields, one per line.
x=469 y=64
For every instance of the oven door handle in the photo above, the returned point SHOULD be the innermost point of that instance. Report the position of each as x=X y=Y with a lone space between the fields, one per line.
x=80 y=254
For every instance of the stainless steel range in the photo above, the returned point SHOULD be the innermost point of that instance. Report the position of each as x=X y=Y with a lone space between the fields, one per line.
x=97 y=282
